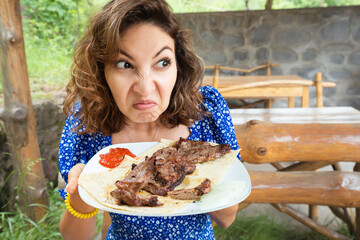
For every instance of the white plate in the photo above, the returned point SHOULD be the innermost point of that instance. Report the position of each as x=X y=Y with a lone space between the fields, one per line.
x=232 y=189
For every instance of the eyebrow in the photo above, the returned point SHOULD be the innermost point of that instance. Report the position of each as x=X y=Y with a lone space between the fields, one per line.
x=157 y=54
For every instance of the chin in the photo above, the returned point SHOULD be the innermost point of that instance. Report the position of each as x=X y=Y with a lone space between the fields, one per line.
x=146 y=118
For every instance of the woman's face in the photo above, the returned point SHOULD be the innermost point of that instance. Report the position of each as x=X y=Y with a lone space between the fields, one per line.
x=145 y=74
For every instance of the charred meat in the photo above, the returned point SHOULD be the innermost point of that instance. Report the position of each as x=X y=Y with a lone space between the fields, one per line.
x=200 y=152
x=131 y=198
x=165 y=170
x=139 y=177
x=192 y=193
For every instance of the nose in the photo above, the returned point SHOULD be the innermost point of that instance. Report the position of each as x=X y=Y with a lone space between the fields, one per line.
x=145 y=83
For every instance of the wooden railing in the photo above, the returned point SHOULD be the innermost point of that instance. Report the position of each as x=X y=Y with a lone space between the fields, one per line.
x=308 y=147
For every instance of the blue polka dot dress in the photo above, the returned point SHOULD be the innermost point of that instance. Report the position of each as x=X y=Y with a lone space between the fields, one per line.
x=218 y=128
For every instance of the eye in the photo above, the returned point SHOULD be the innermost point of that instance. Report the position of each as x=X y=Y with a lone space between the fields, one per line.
x=164 y=63
x=123 y=65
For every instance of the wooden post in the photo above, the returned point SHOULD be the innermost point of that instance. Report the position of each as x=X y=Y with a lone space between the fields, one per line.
x=268 y=68
x=319 y=90
x=268 y=4
x=291 y=102
x=18 y=113
x=216 y=76
x=305 y=97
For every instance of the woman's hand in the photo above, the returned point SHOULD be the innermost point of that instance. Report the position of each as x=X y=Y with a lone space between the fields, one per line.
x=72 y=188
x=224 y=217
x=72 y=227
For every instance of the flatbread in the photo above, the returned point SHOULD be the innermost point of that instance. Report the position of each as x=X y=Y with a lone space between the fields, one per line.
x=100 y=184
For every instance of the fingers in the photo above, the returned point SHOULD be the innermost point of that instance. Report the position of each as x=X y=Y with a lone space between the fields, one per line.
x=73 y=177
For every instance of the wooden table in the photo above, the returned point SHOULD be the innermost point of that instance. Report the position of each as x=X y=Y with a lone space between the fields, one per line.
x=309 y=139
x=297 y=115
x=267 y=87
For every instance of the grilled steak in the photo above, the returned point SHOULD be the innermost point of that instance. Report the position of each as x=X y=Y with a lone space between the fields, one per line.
x=166 y=176
x=199 y=152
x=131 y=198
x=139 y=177
x=192 y=193
x=172 y=154
x=165 y=170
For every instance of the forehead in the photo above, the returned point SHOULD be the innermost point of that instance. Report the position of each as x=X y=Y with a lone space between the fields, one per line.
x=145 y=35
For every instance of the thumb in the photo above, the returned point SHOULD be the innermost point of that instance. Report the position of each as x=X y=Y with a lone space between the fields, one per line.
x=73 y=178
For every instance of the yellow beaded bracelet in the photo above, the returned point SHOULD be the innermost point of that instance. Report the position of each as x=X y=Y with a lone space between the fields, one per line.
x=77 y=214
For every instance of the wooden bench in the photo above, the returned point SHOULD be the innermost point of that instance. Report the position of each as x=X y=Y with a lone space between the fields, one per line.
x=315 y=141
x=265 y=87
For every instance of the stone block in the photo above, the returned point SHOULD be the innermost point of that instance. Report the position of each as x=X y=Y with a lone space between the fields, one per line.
x=335 y=31
x=329 y=92
x=309 y=55
x=232 y=40
x=284 y=55
x=337 y=58
x=357 y=35
x=287 y=18
x=354 y=58
x=232 y=22
x=332 y=13
x=261 y=35
x=262 y=55
x=212 y=58
x=340 y=74
x=291 y=37
x=308 y=71
x=208 y=37
x=241 y=55
x=307 y=18
x=353 y=89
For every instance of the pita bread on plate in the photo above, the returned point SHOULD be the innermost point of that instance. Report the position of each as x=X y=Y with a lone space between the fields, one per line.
x=100 y=184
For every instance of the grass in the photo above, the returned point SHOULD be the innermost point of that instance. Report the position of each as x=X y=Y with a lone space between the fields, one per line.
x=265 y=228
x=48 y=67
x=16 y=225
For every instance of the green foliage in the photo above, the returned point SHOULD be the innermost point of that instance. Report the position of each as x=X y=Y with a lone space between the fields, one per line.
x=282 y=4
x=264 y=228
x=51 y=20
x=16 y=225
x=182 y=6
x=51 y=28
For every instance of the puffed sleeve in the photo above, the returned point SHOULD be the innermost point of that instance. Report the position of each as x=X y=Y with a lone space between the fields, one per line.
x=73 y=148
x=218 y=127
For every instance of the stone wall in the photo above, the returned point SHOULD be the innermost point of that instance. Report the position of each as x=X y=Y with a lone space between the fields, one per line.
x=49 y=123
x=302 y=41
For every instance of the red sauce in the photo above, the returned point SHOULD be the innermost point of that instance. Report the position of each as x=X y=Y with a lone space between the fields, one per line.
x=114 y=157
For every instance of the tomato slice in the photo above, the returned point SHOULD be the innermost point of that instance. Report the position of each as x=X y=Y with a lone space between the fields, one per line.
x=114 y=157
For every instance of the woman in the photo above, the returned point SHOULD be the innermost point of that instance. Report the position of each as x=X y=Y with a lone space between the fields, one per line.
x=137 y=79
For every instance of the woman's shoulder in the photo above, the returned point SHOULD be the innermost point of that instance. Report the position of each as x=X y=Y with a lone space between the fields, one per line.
x=73 y=122
x=210 y=92
x=212 y=98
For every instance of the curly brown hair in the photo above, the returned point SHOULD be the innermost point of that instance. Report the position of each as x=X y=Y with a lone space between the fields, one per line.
x=99 y=46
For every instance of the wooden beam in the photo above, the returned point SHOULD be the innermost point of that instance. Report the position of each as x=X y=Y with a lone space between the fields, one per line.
x=268 y=4
x=306 y=187
x=18 y=113
x=265 y=142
